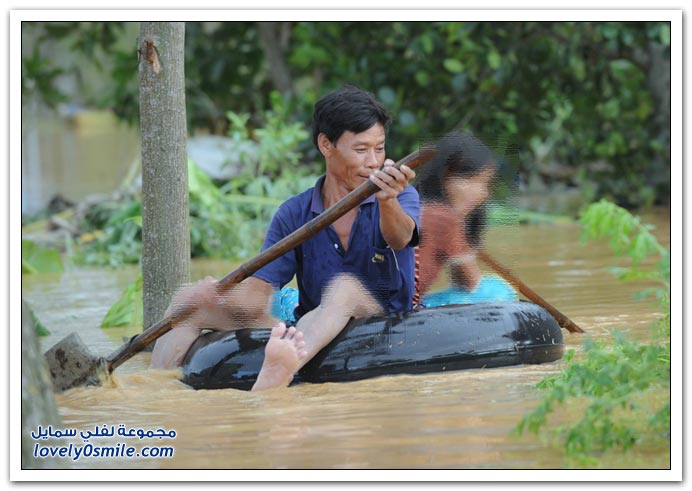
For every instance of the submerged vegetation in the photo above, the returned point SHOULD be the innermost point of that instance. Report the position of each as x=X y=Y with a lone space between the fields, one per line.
x=613 y=379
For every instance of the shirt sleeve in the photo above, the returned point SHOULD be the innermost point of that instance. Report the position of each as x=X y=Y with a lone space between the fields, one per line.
x=282 y=269
x=410 y=203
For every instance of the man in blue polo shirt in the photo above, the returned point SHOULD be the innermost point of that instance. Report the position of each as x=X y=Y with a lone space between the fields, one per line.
x=361 y=265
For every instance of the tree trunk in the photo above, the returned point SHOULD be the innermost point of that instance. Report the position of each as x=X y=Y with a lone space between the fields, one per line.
x=165 y=228
x=274 y=45
x=38 y=403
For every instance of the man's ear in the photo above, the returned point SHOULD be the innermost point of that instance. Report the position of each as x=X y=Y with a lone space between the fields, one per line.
x=324 y=144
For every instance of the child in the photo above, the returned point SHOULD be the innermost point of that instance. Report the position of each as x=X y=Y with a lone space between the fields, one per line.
x=454 y=188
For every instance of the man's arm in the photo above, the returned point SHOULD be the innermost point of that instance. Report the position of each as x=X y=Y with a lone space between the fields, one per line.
x=396 y=225
x=243 y=305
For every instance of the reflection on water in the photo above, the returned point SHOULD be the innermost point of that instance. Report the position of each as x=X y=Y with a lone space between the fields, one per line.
x=446 y=420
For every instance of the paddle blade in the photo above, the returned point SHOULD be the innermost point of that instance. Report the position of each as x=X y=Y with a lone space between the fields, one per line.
x=70 y=364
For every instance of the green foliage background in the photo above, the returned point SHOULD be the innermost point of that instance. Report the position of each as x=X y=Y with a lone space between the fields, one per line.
x=592 y=98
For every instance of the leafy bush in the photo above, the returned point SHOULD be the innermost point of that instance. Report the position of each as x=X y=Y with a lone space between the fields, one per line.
x=225 y=222
x=231 y=221
x=120 y=241
x=277 y=139
x=615 y=377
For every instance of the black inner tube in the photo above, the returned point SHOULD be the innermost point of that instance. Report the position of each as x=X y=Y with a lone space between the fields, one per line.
x=431 y=340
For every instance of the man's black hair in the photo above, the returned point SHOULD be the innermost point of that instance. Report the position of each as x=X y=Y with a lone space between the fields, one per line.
x=347 y=109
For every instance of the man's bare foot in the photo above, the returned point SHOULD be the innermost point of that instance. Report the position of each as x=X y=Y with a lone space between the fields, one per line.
x=282 y=357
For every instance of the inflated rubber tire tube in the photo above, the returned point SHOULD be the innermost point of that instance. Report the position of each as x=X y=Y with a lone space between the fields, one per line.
x=430 y=340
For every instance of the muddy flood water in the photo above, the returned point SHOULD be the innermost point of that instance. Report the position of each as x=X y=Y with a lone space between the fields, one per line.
x=451 y=420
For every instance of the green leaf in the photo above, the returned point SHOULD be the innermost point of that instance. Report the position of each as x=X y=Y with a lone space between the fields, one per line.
x=36 y=259
x=40 y=328
x=129 y=309
x=47 y=261
x=452 y=65
x=611 y=109
x=201 y=187
x=130 y=210
x=427 y=44
x=422 y=78
x=665 y=34
x=622 y=68
x=238 y=124
x=137 y=220
x=494 y=59
x=28 y=267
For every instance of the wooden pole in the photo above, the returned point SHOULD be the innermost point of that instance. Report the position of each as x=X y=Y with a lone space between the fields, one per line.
x=524 y=289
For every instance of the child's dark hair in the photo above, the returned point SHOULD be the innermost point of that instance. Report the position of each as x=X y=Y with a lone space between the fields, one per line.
x=458 y=155
x=475 y=226
x=347 y=109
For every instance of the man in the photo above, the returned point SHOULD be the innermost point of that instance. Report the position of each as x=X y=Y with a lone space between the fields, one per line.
x=361 y=265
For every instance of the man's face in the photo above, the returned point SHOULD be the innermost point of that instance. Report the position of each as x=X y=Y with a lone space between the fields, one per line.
x=356 y=156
